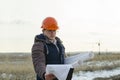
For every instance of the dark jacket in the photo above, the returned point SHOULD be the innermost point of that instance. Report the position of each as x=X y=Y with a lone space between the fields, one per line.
x=45 y=52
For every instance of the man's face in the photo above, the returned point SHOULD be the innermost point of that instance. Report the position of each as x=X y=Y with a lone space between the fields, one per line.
x=51 y=34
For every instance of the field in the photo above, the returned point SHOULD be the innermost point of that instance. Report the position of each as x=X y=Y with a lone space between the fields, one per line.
x=18 y=66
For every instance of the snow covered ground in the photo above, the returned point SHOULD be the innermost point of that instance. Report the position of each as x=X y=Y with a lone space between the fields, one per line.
x=81 y=75
x=87 y=75
x=91 y=75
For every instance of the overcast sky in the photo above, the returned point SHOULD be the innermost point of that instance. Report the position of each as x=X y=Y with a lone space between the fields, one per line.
x=83 y=23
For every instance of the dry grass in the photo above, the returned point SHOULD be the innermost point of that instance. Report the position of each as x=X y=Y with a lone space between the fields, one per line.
x=117 y=77
x=94 y=68
x=18 y=71
x=103 y=57
x=21 y=68
x=16 y=67
x=108 y=57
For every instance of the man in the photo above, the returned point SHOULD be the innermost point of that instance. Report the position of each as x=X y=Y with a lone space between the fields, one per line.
x=47 y=49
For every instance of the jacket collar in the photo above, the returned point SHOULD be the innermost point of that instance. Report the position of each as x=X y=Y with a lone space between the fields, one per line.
x=45 y=39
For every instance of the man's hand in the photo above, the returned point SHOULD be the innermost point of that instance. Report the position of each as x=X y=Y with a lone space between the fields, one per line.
x=49 y=77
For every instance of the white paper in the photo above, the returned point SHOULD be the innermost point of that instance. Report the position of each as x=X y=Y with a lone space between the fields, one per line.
x=77 y=60
x=61 y=70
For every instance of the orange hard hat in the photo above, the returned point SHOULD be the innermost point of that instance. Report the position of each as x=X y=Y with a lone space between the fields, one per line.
x=49 y=23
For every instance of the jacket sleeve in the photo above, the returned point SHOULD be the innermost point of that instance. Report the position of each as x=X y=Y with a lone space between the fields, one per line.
x=38 y=58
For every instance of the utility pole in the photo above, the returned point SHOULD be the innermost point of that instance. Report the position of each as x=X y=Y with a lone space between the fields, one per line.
x=99 y=47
